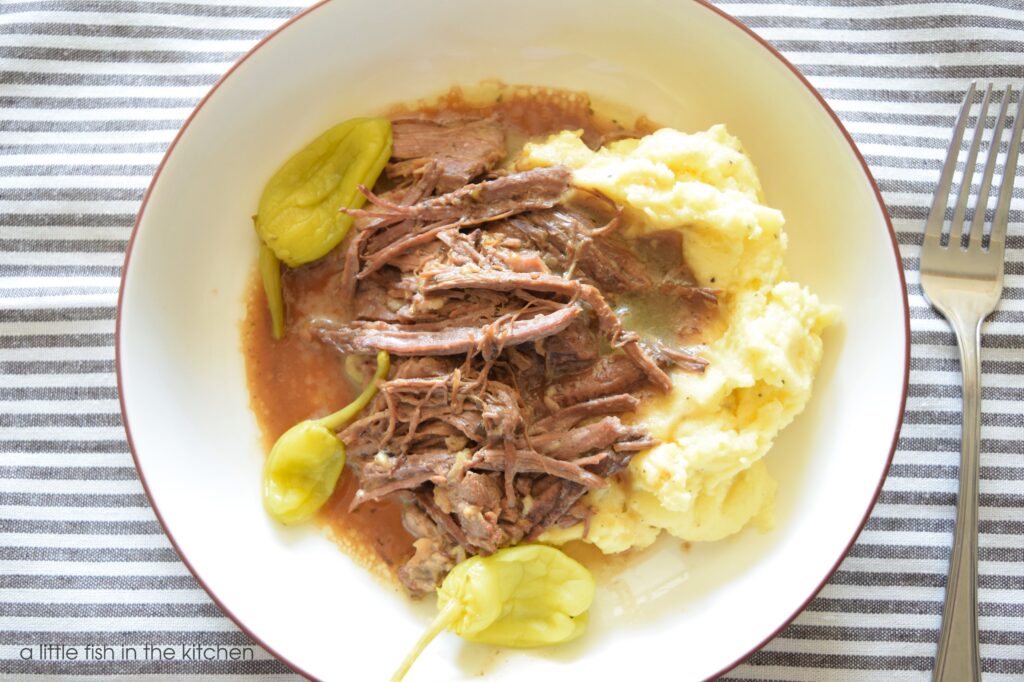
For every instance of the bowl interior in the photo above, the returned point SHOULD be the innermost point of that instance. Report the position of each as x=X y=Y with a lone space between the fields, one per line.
x=183 y=381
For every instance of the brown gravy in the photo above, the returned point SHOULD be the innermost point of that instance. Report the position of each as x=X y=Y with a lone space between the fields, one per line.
x=293 y=379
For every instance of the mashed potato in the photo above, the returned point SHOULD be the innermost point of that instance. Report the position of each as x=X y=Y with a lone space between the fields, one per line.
x=707 y=479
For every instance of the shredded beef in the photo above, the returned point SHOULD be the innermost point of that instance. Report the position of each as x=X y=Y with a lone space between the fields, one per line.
x=568 y=237
x=479 y=203
x=419 y=224
x=488 y=340
x=502 y=305
x=457 y=440
x=607 y=321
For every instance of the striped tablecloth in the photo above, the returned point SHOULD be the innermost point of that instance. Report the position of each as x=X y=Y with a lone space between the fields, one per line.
x=91 y=93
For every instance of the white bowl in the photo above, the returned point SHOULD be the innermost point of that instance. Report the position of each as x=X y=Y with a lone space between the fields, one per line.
x=182 y=379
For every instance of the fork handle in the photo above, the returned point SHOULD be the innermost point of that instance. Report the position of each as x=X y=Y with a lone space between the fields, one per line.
x=958 y=658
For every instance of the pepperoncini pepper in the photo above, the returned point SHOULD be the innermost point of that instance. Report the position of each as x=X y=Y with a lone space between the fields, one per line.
x=299 y=218
x=524 y=596
x=304 y=465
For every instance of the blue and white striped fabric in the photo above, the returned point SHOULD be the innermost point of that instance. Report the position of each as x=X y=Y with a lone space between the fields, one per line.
x=92 y=92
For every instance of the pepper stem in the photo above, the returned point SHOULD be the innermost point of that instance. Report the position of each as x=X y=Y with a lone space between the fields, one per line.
x=333 y=421
x=445 y=618
x=270 y=273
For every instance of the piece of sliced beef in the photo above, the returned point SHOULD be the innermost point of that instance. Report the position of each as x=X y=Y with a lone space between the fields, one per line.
x=458 y=150
x=544 y=497
x=573 y=443
x=373 y=299
x=564 y=496
x=532 y=462
x=571 y=351
x=611 y=375
x=568 y=417
x=488 y=340
x=380 y=478
x=476 y=504
x=612 y=267
x=680 y=357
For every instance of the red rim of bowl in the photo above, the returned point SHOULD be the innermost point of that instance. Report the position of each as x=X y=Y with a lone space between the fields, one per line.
x=704 y=3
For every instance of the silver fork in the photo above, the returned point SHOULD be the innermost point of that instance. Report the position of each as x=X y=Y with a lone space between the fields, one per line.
x=964 y=284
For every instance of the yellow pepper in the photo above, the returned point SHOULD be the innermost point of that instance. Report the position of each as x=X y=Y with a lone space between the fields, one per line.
x=299 y=214
x=525 y=596
x=299 y=218
x=304 y=465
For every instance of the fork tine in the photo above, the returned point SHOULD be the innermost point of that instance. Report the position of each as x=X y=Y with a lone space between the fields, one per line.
x=937 y=214
x=981 y=205
x=956 y=227
x=997 y=239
